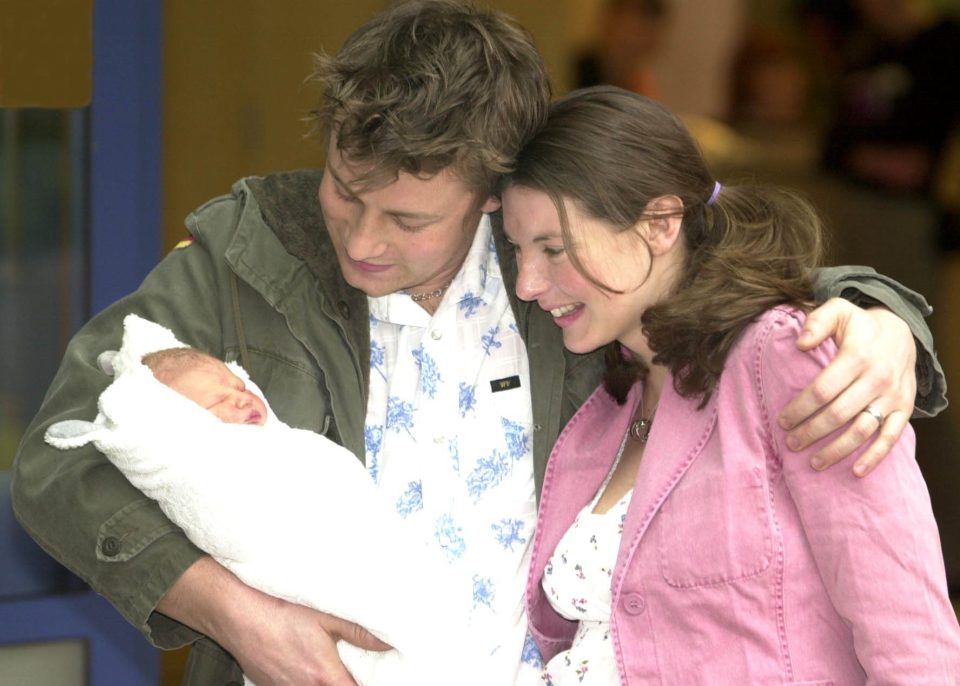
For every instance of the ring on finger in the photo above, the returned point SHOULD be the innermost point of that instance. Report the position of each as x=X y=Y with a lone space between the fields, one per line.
x=875 y=413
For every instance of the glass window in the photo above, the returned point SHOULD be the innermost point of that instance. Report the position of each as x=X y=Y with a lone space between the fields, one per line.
x=43 y=255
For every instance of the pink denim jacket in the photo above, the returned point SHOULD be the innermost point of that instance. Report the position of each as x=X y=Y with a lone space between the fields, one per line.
x=740 y=564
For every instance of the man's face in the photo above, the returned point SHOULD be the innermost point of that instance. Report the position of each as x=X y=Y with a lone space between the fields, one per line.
x=412 y=234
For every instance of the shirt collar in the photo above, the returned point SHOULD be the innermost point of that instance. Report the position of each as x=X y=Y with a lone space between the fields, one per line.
x=477 y=281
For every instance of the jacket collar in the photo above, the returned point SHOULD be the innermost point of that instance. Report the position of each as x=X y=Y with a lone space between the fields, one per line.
x=586 y=454
x=288 y=204
x=677 y=439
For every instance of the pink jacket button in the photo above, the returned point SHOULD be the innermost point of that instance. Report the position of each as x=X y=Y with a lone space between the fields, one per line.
x=633 y=604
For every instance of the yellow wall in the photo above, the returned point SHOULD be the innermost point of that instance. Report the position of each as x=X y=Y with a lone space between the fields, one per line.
x=46 y=53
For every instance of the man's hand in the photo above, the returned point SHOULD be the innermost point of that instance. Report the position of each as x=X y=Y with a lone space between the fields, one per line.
x=292 y=644
x=874 y=368
x=274 y=641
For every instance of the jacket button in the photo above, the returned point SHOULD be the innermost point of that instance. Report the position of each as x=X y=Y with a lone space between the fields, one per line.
x=633 y=604
x=110 y=546
x=344 y=309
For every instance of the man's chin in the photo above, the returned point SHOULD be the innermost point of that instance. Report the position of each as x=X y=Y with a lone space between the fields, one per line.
x=370 y=287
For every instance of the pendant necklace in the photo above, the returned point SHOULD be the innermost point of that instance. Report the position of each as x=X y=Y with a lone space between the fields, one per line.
x=640 y=428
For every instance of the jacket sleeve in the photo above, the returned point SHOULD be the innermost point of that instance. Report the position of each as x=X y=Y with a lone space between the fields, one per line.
x=82 y=510
x=863 y=286
x=874 y=540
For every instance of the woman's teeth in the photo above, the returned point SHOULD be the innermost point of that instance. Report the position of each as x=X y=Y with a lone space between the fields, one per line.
x=561 y=311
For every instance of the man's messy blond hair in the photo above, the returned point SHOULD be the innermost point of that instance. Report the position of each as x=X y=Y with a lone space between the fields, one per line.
x=430 y=85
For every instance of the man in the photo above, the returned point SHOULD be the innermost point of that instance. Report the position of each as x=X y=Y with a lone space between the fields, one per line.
x=384 y=317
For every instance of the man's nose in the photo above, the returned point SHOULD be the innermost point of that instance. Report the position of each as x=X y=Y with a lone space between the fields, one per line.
x=364 y=240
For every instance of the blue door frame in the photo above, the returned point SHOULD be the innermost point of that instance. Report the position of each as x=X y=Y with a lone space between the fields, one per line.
x=125 y=147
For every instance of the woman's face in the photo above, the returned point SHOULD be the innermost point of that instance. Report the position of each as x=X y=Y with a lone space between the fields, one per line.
x=589 y=316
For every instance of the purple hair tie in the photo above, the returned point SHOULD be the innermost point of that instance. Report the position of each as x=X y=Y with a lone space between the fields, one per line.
x=716 y=192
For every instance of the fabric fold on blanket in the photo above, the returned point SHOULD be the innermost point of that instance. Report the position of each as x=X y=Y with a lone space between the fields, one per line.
x=290 y=513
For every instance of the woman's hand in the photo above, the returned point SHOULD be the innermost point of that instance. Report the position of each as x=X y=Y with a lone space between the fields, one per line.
x=871 y=383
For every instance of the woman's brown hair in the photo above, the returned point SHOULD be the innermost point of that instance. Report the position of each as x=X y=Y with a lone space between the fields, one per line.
x=611 y=152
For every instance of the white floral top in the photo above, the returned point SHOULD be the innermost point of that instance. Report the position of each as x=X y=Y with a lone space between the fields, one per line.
x=577 y=584
x=449 y=443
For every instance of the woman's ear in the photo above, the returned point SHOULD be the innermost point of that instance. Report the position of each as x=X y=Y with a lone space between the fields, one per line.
x=661 y=225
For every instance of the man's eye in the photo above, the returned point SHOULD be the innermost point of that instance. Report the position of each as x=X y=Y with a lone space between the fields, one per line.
x=403 y=226
x=344 y=196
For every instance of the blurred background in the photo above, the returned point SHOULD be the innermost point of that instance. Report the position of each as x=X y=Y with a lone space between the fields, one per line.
x=117 y=119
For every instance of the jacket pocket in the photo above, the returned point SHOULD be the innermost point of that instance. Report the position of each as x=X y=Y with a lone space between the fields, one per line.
x=297 y=394
x=715 y=530
x=131 y=529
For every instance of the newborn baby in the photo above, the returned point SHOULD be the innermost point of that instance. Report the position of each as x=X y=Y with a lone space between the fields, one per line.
x=208 y=382
x=288 y=511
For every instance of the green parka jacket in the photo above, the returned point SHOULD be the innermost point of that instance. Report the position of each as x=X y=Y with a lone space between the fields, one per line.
x=260 y=285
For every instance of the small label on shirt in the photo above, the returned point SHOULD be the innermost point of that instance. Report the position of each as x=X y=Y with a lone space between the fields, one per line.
x=504 y=384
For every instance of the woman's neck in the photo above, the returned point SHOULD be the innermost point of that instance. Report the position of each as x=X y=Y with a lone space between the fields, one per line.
x=656 y=373
x=652 y=387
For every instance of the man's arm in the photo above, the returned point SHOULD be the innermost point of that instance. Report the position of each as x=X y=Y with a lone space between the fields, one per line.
x=874 y=541
x=91 y=519
x=273 y=640
x=886 y=361
x=80 y=509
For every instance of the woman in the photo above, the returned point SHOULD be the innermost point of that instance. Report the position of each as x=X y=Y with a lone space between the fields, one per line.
x=678 y=542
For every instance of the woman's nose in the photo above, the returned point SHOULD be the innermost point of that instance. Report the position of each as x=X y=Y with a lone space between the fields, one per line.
x=530 y=282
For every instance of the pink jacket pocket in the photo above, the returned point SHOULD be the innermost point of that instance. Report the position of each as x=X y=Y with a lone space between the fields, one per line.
x=716 y=530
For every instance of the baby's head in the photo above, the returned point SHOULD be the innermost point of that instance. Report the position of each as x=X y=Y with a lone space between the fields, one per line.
x=208 y=382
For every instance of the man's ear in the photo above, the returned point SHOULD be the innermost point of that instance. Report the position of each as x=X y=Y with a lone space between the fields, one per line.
x=492 y=204
x=661 y=225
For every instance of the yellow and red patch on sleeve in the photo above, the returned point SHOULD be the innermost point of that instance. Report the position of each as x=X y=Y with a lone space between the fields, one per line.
x=184 y=243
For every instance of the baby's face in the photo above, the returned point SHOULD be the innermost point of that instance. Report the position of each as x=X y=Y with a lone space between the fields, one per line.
x=214 y=387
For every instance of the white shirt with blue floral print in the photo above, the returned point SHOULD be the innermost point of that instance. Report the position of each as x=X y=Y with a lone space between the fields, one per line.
x=453 y=453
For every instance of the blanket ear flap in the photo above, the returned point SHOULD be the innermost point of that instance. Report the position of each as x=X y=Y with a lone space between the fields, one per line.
x=140 y=337
x=72 y=433
x=105 y=361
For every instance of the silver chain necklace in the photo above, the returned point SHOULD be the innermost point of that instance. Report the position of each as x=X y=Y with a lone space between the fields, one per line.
x=430 y=295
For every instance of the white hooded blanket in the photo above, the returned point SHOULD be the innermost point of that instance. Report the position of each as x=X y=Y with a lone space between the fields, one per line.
x=290 y=513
